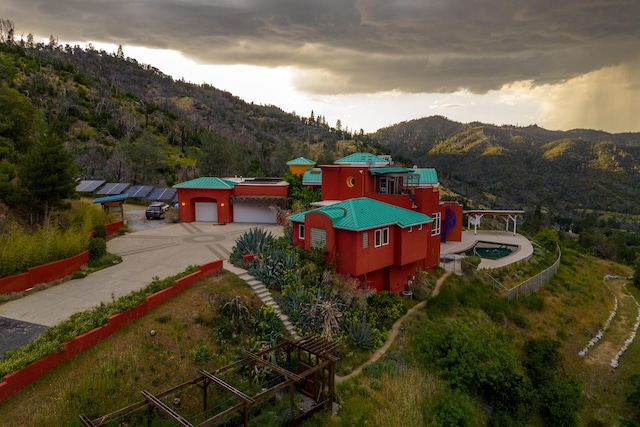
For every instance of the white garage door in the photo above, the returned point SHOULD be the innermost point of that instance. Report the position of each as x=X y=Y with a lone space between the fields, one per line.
x=248 y=213
x=207 y=211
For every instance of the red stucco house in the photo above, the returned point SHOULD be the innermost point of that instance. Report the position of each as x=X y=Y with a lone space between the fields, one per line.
x=222 y=201
x=380 y=244
x=377 y=186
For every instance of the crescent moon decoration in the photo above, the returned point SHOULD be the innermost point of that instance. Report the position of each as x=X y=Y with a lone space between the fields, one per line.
x=351 y=182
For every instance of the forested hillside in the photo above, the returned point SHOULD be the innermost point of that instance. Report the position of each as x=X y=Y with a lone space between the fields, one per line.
x=125 y=121
x=129 y=122
x=509 y=167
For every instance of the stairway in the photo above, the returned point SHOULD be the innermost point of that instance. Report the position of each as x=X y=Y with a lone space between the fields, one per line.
x=263 y=293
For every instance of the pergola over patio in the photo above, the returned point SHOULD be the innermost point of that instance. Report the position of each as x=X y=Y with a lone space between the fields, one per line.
x=475 y=215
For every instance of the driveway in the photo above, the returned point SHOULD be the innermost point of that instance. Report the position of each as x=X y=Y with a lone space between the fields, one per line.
x=161 y=251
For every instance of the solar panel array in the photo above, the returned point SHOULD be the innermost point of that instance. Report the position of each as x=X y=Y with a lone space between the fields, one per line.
x=88 y=186
x=140 y=191
x=113 y=188
x=162 y=194
x=147 y=192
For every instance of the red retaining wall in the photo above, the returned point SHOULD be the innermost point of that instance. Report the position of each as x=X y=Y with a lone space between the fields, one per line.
x=19 y=379
x=49 y=272
x=114 y=227
x=43 y=274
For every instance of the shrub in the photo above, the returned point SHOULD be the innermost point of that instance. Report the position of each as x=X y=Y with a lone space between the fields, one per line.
x=200 y=355
x=361 y=335
x=100 y=230
x=97 y=248
x=451 y=408
x=388 y=307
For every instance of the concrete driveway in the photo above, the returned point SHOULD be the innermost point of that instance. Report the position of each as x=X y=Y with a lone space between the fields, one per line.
x=158 y=252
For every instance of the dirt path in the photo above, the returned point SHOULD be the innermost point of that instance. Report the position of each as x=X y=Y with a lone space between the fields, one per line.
x=619 y=329
x=393 y=333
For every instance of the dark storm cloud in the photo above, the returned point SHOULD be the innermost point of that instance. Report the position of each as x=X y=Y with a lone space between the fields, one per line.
x=363 y=46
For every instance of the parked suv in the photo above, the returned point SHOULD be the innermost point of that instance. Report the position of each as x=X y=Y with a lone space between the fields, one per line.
x=156 y=210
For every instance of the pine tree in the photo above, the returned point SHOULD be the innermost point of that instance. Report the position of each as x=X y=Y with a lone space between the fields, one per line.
x=46 y=176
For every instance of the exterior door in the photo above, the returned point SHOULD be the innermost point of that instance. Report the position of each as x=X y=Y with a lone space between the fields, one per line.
x=206 y=211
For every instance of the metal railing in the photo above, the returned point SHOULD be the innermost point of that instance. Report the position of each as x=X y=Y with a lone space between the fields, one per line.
x=534 y=283
x=456 y=264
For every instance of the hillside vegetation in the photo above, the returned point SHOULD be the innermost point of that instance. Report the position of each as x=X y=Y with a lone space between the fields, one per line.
x=511 y=167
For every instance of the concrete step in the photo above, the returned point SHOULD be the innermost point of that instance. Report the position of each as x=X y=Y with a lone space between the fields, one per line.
x=264 y=294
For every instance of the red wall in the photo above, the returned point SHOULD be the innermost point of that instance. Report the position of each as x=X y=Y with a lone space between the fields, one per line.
x=114 y=227
x=49 y=272
x=454 y=235
x=19 y=379
x=43 y=274
x=247 y=189
x=188 y=196
x=400 y=200
x=335 y=185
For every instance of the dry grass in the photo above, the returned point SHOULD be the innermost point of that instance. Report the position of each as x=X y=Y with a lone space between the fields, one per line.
x=113 y=373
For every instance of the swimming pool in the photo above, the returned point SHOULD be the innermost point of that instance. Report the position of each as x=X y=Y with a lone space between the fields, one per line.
x=490 y=250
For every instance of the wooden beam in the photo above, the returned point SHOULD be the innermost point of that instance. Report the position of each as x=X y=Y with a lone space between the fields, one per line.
x=87 y=421
x=222 y=414
x=278 y=369
x=237 y=393
x=167 y=410
x=143 y=403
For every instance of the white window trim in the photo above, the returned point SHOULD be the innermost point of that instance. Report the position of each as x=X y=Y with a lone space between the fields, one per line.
x=381 y=237
x=301 y=232
x=437 y=217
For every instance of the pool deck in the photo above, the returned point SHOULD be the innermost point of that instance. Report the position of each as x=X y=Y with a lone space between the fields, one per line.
x=524 y=251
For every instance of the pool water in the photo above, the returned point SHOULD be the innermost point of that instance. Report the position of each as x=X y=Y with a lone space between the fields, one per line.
x=490 y=250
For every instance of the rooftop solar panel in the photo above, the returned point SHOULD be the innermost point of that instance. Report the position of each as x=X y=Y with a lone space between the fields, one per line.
x=140 y=190
x=88 y=186
x=162 y=194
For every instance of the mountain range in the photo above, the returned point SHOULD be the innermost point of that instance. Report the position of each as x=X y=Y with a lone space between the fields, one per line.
x=126 y=121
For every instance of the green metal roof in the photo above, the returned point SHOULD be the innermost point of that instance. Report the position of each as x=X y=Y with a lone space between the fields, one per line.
x=427 y=175
x=206 y=182
x=301 y=161
x=362 y=158
x=364 y=213
x=312 y=176
x=383 y=171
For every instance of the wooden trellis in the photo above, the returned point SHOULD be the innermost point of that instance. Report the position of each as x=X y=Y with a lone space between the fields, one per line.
x=312 y=373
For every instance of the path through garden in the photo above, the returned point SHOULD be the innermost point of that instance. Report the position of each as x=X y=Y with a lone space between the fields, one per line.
x=393 y=333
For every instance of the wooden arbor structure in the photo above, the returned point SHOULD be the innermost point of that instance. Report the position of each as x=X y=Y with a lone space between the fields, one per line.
x=306 y=366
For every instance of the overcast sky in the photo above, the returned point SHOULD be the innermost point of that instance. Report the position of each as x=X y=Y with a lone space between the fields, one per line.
x=561 y=64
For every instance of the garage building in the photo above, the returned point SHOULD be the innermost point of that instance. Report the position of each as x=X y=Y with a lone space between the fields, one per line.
x=245 y=200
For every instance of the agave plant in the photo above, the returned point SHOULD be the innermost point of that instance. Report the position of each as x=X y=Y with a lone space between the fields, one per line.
x=254 y=241
x=361 y=335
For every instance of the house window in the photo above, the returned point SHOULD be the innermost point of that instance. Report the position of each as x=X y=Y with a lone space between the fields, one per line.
x=301 y=232
x=411 y=229
x=420 y=227
x=382 y=237
x=365 y=239
x=318 y=237
x=436 y=224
